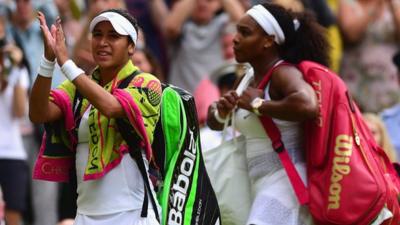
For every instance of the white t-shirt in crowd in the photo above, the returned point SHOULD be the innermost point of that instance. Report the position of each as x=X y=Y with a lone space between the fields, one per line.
x=11 y=146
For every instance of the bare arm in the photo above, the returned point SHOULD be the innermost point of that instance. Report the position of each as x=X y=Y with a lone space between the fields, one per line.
x=354 y=17
x=19 y=101
x=102 y=100
x=180 y=12
x=234 y=9
x=82 y=50
x=41 y=110
x=211 y=121
x=18 y=79
x=292 y=98
x=223 y=107
x=159 y=11
x=394 y=6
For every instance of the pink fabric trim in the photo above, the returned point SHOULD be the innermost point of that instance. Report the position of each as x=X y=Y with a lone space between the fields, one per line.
x=61 y=99
x=52 y=169
x=135 y=117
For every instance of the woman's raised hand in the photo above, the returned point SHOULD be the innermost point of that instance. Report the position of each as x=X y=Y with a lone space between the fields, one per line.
x=60 y=48
x=48 y=37
x=227 y=103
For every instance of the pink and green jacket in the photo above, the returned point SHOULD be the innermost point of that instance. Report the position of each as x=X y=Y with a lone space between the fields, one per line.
x=141 y=102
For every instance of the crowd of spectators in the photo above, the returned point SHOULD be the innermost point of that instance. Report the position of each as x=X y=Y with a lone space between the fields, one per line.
x=185 y=43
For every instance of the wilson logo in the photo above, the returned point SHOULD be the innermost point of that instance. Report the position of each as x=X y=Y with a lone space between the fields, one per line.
x=318 y=92
x=340 y=168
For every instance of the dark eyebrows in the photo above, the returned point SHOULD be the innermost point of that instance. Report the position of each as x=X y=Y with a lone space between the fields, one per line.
x=243 y=27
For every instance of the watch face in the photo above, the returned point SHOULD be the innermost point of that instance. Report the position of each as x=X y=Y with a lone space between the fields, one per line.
x=256 y=103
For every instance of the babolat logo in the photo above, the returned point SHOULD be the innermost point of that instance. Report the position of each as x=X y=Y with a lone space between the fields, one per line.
x=180 y=188
x=340 y=168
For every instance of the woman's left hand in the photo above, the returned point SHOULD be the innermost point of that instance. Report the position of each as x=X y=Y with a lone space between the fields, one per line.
x=247 y=96
x=60 y=48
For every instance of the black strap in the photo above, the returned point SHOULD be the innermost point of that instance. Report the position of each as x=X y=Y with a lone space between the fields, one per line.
x=133 y=141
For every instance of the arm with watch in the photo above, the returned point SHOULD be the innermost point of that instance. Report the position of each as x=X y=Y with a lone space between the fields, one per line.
x=292 y=99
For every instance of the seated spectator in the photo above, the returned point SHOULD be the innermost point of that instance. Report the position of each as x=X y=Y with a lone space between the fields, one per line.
x=391 y=116
x=378 y=130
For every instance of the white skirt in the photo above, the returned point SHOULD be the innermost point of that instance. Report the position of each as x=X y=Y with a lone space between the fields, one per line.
x=124 y=218
x=275 y=202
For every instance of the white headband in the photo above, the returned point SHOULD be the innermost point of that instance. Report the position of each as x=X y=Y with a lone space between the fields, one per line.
x=121 y=25
x=268 y=22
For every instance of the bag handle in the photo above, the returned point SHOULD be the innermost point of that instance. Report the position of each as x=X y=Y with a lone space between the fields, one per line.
x=226 y=128
x=244 y=83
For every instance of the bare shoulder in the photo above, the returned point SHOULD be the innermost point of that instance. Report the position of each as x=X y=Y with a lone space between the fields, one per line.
x=287 y=75
x=287 y=72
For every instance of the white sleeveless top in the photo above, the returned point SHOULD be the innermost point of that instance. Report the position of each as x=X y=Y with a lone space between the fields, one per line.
x=121 y=189
x=262 y=160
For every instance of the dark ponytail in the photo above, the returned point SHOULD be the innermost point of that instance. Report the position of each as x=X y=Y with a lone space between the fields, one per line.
x=308 y=42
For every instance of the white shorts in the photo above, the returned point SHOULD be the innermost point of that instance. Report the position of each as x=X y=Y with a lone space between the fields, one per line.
x=127 y=218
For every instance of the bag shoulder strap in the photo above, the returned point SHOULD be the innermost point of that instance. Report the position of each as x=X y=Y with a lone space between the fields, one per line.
x=274 y=134
x=134 y=143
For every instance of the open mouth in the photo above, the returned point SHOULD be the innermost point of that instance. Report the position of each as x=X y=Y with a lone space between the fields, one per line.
x=103 y=55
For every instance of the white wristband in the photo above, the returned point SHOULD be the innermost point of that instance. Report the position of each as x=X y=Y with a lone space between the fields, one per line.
x=46 y=67
x=71 y=70
x=218 y=117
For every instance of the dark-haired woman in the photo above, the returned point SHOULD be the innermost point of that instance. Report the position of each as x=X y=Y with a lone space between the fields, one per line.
x=267 y=36
x=82 y=133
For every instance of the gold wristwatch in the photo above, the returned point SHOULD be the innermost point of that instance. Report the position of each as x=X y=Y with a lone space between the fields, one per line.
x=256 y=104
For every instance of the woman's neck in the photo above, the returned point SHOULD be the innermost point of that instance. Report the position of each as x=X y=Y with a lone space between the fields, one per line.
x=262 y=67
x=108 y=74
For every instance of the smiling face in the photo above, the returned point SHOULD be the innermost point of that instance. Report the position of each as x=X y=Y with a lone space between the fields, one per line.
x=250 y=40
x=110 y=50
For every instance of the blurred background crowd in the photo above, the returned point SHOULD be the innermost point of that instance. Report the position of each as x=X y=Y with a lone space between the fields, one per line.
x=188 y=43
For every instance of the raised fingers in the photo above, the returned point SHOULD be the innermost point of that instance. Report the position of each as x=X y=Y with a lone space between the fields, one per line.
x=42 y=19
x=60 y=37
x=48 y=37
x=61 y=48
